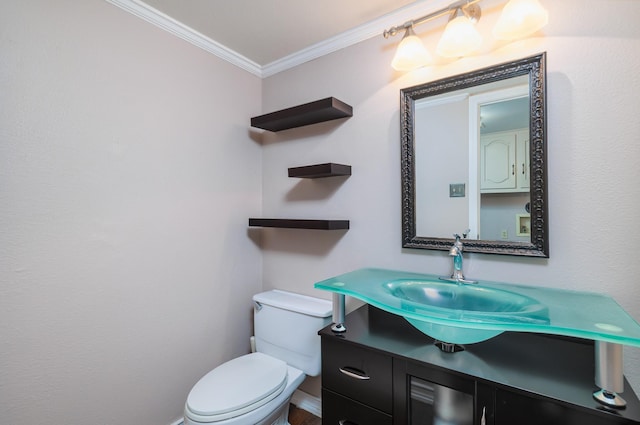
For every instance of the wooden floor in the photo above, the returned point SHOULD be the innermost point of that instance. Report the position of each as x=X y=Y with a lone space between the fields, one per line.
x=302 y=417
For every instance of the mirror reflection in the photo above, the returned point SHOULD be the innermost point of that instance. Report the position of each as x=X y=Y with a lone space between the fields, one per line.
x=450 y=153
x=467 y=161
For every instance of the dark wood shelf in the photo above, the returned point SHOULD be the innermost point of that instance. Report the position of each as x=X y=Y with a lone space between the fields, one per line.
x=320 y=170
x=301 y=115
x=299 y=224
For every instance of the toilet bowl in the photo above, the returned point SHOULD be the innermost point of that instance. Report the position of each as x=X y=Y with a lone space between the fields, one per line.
x=256 y=388
x=248 y=398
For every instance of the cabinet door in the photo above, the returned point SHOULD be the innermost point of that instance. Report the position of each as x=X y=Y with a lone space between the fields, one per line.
x=427 y=395
x=498 y=161
x=522 y=160
x=339 y=410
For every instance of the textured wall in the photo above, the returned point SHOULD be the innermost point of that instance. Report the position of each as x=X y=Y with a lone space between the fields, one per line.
x=127 y=174
x=594 y=182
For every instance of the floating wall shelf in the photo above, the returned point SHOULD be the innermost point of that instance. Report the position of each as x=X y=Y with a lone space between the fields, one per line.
x=301 y=115
x=299 y=224
x=320 y=170
x=298 y=116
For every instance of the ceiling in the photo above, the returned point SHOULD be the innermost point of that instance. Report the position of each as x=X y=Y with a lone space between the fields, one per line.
x=265 y=31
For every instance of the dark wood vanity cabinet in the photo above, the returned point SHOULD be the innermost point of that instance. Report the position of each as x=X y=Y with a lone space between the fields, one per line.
x=382 y=371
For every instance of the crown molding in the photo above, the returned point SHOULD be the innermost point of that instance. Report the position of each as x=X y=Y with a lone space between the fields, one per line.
x=167 y=23
x=340 y=41
x=356 y=35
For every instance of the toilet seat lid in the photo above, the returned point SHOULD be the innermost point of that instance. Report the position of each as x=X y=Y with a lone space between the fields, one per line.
x=237 y=384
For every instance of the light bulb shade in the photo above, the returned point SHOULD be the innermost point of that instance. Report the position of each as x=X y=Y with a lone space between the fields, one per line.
x=460 y=38
x=411 y=53
x=520 y=18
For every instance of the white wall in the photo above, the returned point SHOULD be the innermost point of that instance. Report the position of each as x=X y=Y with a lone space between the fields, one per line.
x=443 y=147
x=498 y=212
x=593 y=146
x=127 y=173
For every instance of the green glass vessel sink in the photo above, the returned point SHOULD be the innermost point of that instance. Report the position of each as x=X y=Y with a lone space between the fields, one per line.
x=469 y=313
x=468 y=301
x=472 y=299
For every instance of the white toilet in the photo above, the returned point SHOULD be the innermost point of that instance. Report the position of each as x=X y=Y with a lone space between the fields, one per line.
x=255 y=389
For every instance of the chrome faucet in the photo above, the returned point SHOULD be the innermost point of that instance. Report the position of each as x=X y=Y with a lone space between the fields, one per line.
x=456 y=252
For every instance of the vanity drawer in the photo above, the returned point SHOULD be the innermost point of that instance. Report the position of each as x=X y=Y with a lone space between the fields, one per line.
x=358 y=373
x=339 y=410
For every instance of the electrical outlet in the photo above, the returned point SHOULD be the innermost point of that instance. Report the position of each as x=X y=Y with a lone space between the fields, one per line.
x=504 y=234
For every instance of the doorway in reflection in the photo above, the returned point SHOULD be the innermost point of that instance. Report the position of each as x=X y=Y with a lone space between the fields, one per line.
x=504 y=166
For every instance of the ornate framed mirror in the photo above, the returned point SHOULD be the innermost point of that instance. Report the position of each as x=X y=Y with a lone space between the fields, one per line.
x=474 y=160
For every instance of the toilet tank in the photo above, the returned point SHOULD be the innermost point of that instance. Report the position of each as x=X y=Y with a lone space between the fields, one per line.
x=286 y=327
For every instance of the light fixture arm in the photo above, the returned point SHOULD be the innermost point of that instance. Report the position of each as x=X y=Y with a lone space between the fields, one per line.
x=460 y=4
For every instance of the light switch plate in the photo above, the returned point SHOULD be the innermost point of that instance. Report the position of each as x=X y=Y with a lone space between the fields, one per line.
x=456 y=190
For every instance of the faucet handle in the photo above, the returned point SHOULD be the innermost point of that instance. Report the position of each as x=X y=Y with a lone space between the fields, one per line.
x=457 y=244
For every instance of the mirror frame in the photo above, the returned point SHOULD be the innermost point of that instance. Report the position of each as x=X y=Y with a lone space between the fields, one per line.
x=535 y=68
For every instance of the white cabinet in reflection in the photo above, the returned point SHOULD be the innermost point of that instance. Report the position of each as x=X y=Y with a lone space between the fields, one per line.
x=504 y=161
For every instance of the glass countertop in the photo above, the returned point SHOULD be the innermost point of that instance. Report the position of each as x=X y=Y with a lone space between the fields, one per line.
x=467 y=313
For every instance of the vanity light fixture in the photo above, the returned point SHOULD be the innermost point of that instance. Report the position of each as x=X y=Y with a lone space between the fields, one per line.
x=518 y=19
x=460 y=36
x=411 y=53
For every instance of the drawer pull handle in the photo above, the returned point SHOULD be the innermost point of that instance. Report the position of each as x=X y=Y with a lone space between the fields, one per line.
x=352 y=372
x=346 y=422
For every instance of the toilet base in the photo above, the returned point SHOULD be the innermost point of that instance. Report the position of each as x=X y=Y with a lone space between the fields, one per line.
x=280 y=416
